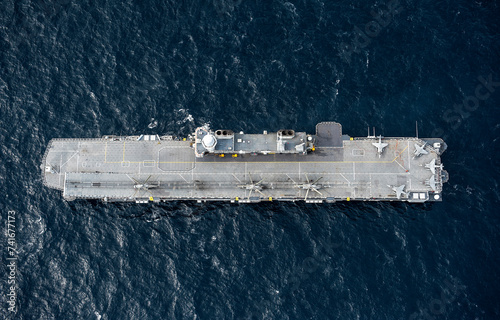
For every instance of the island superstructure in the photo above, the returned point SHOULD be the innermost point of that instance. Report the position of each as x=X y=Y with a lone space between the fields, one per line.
x=224 y=165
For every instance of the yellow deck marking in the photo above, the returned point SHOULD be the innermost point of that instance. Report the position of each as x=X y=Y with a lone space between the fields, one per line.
x=224 y=162
x=399 y=154
x=229 y=162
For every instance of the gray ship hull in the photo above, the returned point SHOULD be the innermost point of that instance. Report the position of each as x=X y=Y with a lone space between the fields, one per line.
x=325 y=167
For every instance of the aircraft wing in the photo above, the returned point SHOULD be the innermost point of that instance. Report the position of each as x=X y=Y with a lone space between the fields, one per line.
x=432 y=183
x=380 y=146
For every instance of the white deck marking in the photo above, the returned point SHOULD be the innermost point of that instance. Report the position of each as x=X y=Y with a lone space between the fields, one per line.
x=283 y=173
x=349 y=182
x=75 y=153
x=180 y=175
x=371 y=195
x=78 y=157
x=400 y=165
x=409 y=160
x=59 y=173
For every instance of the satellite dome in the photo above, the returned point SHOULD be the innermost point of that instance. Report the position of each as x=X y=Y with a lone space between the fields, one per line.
x=209 y=141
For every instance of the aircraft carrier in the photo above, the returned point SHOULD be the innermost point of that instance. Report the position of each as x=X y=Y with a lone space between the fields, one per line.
x=223 y=165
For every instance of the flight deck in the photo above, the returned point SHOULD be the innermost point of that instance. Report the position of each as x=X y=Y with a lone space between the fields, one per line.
x=223 y=165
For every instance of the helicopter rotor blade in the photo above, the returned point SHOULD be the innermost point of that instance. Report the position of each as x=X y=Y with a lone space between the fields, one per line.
x=316 y=190
x=132 y=179
x=317 y=180
x=133 y=196
x=307 y=193
x=291 y=179
x=135 y=180
x=260 y=193
x=147 y=179
x=237 y=178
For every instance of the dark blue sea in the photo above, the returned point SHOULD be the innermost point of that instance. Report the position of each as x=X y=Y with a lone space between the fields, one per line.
x=83 y=69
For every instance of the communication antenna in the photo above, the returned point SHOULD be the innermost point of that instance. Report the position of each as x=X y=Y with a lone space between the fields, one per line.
x=369 y=136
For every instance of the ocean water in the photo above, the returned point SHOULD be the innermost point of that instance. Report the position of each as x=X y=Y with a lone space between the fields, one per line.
x=88 y=68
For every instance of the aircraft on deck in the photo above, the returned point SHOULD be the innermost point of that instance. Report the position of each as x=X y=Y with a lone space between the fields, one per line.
x=432 y=183
x=420 y=150
x=399 y=190
x=308 y=186
x=432 y=166
x=380 y=146
x=252 y=186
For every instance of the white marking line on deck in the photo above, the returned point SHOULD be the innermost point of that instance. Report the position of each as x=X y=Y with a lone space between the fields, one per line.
x=277 y=173
x=349 y=182
x=60 y=166
x=123 y=158
x=409 y=160
x=78 y=157
x=400 y=165
x=192 y=175
x=371 y=185
x=76 y=152
x=180 y=175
